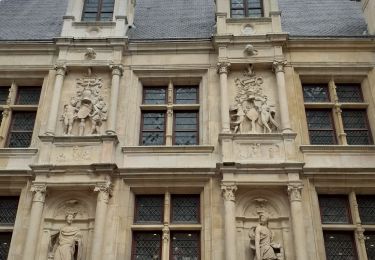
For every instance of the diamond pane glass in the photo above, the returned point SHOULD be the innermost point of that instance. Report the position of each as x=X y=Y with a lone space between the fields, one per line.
x=185 y=209
x=186 y=128
x=339 y=246
x=147 y=246
x=185 y=246
x=366 y=207
x=8 y=210
x=320 y=127
x=315 y=93
x=334 y=209
x=149 y=209
x=255 y=13
x=254 y=4
x=28 y=96
x=186 y=95
x=238 y=13
x=4 y=93
x=90 y=10
x=5 y=238
x=154 y=95
x=21 y=129
x=349 y=92
x=370 y=245
x=356 y=127
x=153 y=127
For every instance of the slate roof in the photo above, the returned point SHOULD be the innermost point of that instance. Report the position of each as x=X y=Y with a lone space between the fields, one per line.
x=31 y=19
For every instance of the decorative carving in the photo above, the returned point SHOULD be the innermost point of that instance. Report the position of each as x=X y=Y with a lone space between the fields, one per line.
x=88 y=104
x=261 y=241
x=90 y=54
x=105 y=191
x=223 y=67
x=39 y=192
x=250 y=50
x=294 y=191
x=165 y=233
x=360 y=233
x=228 y=192
x=67 y=244
x=278 y=65
x=258 y=151
x=116 y=69
x=252 y=105
x=72 y=205
x=60 y=69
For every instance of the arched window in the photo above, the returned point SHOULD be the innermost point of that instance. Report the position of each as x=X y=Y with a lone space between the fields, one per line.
x=98 y=10
x=246 y=8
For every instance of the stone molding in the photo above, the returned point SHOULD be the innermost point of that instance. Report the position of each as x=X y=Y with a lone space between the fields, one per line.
x=228 y=191
x=8 y=152
x=337 y=148
x=39 y=192
x=78 y=139
x=168 y=149
x=294 y=191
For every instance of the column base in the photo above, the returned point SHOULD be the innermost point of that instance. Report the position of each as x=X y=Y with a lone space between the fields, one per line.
x=49 y=133
x=110 y=132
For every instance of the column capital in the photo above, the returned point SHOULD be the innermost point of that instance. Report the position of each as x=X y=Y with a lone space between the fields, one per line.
x=278 y=65
x=105 y=191
x=117 y=69
x=228 y=191
x=223 y=67
x=60 y=69
x=39 y=192
x=294 y=191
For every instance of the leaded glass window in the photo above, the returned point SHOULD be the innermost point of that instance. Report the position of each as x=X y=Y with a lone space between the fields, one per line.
x=5 y=238
x=186 y=95
x=28 y=96
x=339 y=245
x=185 y=208
x=185 y=246
x=4 y=93
x=315 y=93
x=186 y=128
x=149 y=209
x=153 y=128
x=366 y=207
x=21 y=129
x=8 y=210
x=334 y=209
x=370 y=245
x=349 y=93
x=146 y=246
x=356 y=127
x=320 y=126
x=246 y=8
x=98 y=10
x=154 y=95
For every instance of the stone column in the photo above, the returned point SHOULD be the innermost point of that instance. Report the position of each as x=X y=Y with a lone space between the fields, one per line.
x=229 y=220
x=338 y=111
x=54 y=108
x=112 y=115
x=298 y=226
x=31 y=243
x=104 y=191
x=223 y=69
x=278 y=67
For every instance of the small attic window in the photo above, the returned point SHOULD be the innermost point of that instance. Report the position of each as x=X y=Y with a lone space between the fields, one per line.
x=246 y=8
x=98 y=10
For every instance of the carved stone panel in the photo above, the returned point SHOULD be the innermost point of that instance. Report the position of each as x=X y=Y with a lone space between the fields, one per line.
x=75 y=154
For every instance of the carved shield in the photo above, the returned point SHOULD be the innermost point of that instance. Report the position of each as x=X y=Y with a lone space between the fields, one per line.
x=252 y=114
x=84 y=111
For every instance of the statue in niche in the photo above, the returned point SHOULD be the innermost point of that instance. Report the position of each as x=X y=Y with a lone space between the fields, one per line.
x=252 y=105
x=87 y=105
x=261 y=241
x=67 y=244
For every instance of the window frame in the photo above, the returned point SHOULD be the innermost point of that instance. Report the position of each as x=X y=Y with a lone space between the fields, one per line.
x=98 y=12
x=246 y=10
x=142 y=126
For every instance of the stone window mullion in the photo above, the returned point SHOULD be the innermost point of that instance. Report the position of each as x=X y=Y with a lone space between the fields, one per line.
x=341 y=135
x=166 y=229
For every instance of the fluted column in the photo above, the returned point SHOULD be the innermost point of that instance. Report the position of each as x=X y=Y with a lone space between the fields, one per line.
x=229 y=220
x=223 y=69
x=104 y=192
x=112 y=115
x=298 y=226
x=54 y=108
x=31 y=243
x=278 y=67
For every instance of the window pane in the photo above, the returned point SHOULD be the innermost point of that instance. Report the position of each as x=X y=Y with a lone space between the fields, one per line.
x=90 y=10
x=320 y=125
x=152 y=138
x=185 y=209
x=5 y=238
x=8 y=210
x=186 y=128
x=4 y=93
x=315 y=93
x=21 y=129
x=149 y=209
x=356 y=127
x=28 y=96
x=154 y=95
x=339 y=246
x=366 y=207
x=370 y=245
x=255 y=13
x=154 y=121
x=185 y=245
x=254 y=4
x=238 y=13
x=334 y=209
x=146 y=246
x=186 y=95
x=349 y=92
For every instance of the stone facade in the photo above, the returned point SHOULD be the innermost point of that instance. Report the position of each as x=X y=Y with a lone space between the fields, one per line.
x=256 y=172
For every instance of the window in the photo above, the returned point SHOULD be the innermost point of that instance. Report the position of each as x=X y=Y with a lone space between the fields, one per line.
x=182 y=226
x=170 y=115
x=98 y=10
x=8 y=212
x=18 y=105
x=336 y=114
x=337 y=212
x=246 y=8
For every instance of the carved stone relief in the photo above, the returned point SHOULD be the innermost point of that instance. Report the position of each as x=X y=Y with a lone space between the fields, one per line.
x=75 y=154
x=251 y=105
x=258 y=151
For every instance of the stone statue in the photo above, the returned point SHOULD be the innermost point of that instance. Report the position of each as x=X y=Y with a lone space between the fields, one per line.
x=261 y=241
x=68 y=244
x=68 y=116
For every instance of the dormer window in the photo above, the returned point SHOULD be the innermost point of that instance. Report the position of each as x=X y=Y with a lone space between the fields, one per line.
x=246 y=8
x=98 y=10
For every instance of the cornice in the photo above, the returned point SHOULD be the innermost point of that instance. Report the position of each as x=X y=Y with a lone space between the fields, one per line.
x=328 y=43
x=168 y=149
x=183 y=46
x=337 y=149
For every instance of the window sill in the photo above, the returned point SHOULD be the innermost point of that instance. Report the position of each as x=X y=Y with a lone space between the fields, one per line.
x=337 y=148
x=80 y=139
x=169 y=149
x=17 y=151
x=249 y=19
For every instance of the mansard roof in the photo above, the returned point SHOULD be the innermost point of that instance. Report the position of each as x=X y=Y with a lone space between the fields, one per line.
x=182 y=19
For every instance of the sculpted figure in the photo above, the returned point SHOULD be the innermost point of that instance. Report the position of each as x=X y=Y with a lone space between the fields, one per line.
x=97 y=116
x=68 y=116
x=261 y=241
x=69 y=241
x=266 y=116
